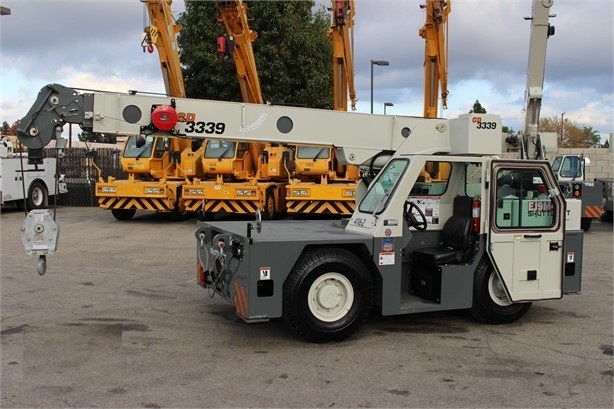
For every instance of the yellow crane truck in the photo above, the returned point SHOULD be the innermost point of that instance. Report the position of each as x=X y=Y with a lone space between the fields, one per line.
x=324 y=184
x=239 y=177
x=158 y=168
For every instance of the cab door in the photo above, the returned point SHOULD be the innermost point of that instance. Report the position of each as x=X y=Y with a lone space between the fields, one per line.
x=526 y=229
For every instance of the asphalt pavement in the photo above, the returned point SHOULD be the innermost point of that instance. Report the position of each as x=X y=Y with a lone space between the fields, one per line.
x=119 y=321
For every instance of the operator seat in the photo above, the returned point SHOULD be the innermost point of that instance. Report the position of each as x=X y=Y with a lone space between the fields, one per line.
x=458 y=241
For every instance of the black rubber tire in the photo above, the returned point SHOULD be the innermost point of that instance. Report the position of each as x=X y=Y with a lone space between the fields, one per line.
x=313 y=266
x=177 y=216
x=268 y=213
x=38 y=196
x=585 y=223
x=123 y=214
x=486 y=310
x=607 y=216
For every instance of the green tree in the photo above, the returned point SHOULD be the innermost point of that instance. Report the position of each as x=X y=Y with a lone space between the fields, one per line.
x=293 y=53
x=87 y=136
x=5 y=128
x=477 y=108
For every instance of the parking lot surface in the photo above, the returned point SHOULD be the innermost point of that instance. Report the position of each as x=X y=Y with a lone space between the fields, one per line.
x=119 y=321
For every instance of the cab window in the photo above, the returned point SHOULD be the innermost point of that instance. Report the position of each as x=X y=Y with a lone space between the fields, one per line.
x=162 y=145
x=571 y=167
x=312 y=152
x=473 y=179
x=133 y=151
x=219 y=149
x=376 y=199
x=522 y=200
x=433 y=179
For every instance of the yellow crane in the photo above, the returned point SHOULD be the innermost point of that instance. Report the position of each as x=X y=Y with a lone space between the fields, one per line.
x=240 y=177
x=435 y=33
x=323 y=184
x=159 y=166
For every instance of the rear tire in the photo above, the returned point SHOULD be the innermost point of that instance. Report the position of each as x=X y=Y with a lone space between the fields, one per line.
x=490 y=302
x=585 y=223
x=123 y=214
x=38 y=196
x=269 y=211
x=328 y=295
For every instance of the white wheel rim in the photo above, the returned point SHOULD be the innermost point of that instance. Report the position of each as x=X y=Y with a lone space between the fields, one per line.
x=37 y=197
x=330 y=297
x=497 y=292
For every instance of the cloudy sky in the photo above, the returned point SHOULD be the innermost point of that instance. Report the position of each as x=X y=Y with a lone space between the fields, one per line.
x=95 y=44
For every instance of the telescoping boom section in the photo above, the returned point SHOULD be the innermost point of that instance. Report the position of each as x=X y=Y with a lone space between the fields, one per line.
x=357 y=137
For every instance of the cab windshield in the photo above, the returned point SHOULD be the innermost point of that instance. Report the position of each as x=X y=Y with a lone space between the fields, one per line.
x=376 y=199
x=219 y=149
x=312 y=152
x=133 y=151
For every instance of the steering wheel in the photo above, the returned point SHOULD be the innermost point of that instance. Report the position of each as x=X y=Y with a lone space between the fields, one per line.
x=411 y=219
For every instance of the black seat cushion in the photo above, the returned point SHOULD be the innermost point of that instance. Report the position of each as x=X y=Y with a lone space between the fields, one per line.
x=457 y=237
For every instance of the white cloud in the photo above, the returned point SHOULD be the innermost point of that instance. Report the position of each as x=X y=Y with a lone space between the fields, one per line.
x=96 y=44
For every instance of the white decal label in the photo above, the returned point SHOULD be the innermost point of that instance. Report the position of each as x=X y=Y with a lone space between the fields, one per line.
x=386 y=259
x=265 y=273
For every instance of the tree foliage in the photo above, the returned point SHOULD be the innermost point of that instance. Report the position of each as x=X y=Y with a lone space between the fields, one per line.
x=570 y=133
x=87 y=136
x=292 y=51
x=5 y=128
x=477 y=108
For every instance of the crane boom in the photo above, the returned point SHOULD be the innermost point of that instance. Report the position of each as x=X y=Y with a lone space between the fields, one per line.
x=358 y=137
x=234 y=16
x=435 y=34
x=541 y=30
x=343 y=63
x=163 y=34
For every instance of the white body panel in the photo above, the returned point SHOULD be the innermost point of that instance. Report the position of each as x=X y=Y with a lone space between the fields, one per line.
x=11 y=177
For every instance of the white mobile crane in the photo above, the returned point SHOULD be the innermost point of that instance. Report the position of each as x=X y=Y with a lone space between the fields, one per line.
x=409 y=247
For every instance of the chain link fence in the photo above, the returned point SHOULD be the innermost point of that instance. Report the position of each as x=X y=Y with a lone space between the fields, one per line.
x=81 y=168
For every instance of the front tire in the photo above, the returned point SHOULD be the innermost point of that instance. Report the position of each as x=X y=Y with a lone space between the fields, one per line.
x=585 y=223
x=490 y=301
x=123 y=214
x=328 y=295
x=38 y=196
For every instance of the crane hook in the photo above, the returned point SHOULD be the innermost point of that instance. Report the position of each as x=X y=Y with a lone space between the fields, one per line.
x=41 y=266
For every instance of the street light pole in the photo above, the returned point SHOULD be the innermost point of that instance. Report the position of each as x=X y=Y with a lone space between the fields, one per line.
x=375 y=62
x=387 y=104
x=562 y=127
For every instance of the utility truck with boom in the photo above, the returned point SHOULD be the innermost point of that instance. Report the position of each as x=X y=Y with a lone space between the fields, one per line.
x=27 y=185
x=491 y=238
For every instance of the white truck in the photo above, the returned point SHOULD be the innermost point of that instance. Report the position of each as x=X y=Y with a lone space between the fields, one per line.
x=19 y=180
x=570 y=171
x=480 y=233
